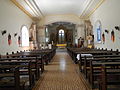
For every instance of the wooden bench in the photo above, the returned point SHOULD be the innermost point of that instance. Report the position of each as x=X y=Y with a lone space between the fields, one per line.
x=83 y=61
x=18 y=81
x=74 y=51
x=28 y=56
x=93 y=71
x=36 y=60
x=109 y=76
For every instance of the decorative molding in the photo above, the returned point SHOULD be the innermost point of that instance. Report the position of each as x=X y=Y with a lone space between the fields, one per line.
x=33 y=4
x=31 y=7
x=38 y=7
x=85 y=9
x=21 y=8
x=97 y=6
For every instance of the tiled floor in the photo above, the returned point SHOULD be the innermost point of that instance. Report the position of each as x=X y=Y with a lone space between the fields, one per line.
x=61 y=74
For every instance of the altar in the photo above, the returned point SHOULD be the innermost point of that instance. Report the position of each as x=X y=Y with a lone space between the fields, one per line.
x=61 y=45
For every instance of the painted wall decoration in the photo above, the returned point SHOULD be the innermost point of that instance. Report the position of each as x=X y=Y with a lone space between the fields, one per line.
x=98 y=31
x=103 y=38
x=112 y=36
x=19 y=40
x=9 y=39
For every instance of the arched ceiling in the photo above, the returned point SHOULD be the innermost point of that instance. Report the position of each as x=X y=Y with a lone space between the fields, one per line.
x=41 y=8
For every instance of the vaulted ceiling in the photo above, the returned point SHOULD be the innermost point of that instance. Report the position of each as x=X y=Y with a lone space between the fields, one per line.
x=41 y=8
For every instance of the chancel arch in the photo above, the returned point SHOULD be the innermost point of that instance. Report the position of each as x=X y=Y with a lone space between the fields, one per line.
x=61 y=33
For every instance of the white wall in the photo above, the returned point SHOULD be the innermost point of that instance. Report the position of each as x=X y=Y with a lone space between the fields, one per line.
x=11 y=20
x=109 y=15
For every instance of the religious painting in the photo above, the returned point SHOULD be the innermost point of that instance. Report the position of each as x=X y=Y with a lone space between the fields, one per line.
x=9 y=39
x=112 y=36
x=103 y=38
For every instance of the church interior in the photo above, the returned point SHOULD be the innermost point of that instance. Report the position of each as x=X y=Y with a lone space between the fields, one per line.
x=59 y=45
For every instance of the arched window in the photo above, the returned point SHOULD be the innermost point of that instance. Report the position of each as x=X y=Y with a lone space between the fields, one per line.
x=98 y=31
x=61 y=32
x=61 y=36
x=25 y=36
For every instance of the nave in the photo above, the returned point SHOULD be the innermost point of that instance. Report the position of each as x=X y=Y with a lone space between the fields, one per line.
x=32 y=31
x=61 y=74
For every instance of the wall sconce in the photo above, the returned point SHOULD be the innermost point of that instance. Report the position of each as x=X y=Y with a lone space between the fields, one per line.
x=3 y=32
x=117 y=28
x=15 y=34
x=106 y=31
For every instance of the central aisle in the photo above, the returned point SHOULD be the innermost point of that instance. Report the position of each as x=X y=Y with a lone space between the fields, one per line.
x=61 y=74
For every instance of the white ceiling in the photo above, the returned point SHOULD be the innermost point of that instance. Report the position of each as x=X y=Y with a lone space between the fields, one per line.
x=40 y=8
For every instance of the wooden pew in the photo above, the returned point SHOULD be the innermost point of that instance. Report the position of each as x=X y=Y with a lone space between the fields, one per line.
x=15 y=74
x=95 y=68
x=32 y=55
x=83 y=61
x=36 y=60
x=75 y=51
x=109 y=76
x=18 y=83
x=107 y=73
x=46 y=55
x=28 y=55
